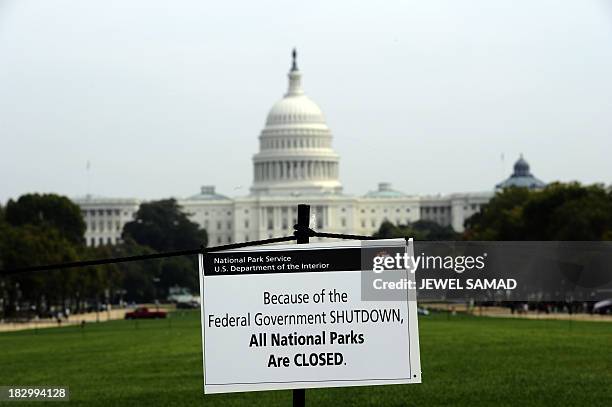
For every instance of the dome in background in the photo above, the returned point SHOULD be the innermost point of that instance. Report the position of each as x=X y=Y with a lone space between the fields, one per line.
x=385 y=191
x=295 y=154
x=521 y=177
x=295 y=107
x=295 y=110
x=207 y=193
x=521 y=167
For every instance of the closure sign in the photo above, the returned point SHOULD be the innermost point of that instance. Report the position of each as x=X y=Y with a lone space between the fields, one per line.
x=292 y=316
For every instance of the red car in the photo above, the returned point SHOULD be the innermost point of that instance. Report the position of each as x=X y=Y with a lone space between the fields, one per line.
x=145 y=313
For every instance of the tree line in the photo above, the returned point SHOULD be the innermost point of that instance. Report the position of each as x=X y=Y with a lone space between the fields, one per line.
x=560 y=211
x=47 y=229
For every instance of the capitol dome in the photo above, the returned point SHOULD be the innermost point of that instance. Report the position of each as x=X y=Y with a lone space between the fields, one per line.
x=295 y=154
x=295 y=109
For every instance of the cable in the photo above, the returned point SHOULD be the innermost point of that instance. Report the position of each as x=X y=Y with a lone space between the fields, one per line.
x=99 y=262
x=85 y=263
x=343 y=236
x=141 y=257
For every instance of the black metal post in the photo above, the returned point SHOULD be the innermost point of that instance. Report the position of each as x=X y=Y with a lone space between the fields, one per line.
x=302 y=229
x=302 y=233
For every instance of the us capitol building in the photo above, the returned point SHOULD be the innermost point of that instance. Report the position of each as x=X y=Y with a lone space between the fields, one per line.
x=296 y=163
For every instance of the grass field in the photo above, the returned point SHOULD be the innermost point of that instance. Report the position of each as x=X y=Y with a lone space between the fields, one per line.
x=466 y=361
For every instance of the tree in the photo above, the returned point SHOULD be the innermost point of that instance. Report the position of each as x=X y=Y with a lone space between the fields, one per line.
x=41 y=229
x=558 y=212
x=138 y=278
x=179 y=271
x=419 y=230
x=161 y=225
x=30 y=245
x=47 y=211
x=569 y=212
x=501 y=218
x=430 y=230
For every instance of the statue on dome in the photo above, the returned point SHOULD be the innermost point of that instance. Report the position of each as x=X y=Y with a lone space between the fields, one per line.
x=294 y=57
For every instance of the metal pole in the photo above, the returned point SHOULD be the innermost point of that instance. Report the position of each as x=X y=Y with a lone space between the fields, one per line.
x=303 y=236
x=303 y=223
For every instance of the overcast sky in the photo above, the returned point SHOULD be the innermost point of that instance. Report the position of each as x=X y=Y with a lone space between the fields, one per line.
x=165 y=96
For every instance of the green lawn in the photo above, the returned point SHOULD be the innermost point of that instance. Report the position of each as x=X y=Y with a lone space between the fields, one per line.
x=467 y=361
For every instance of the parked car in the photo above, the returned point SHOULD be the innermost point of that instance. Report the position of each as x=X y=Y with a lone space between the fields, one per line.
x=603 y=307
x=422 y=311
x=101 y=307
x=145 y=313
x=188 y=305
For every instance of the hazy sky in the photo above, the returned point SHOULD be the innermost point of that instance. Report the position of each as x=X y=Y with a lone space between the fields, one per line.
x=165 y=96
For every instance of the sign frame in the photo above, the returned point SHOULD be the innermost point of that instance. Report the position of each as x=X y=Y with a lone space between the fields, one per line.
x=412 y=338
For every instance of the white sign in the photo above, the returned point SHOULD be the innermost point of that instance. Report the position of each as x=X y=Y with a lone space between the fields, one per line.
x=292 y=316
